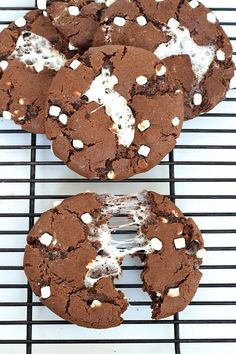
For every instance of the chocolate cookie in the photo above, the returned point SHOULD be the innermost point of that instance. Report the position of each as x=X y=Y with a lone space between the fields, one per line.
x=31 y=52
x=78 y=20
x=113 y=112
x=186 y=35
x=73 y=256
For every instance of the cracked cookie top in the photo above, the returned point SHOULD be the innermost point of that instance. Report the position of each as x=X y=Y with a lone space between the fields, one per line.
x=74 y=253
x=77 y=20
x=185 y=35
x=113 y=112
x=31 y=52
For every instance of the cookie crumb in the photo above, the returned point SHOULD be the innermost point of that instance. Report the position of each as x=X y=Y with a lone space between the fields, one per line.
x=180 y=243
x=86 y=218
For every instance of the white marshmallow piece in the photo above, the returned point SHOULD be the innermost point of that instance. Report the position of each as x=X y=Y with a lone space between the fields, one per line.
x=144 y=150
x=175 y=121
x=109 y=2
x=6 y=115
x=39 y=67
x=201 y=253
x=96 y=303
x=3 y=65
x=220 y=55
x=173 y=24
x=63 y=118
x=42 y=4
x=20 y=22
x=119 y=21
x=161 y=71
x=174 y=292
x=54 y=111
x=180 y=243
x=141 y=80
x=46 y=239
x=86 y=218
x=197 y=99
x=75 y=64
x=56 y=203
x=73 y=10
x=233 y=83
x=144 y=125
x=164 y=220
x=78 y=144
x=71 y=47
x=141 y=20
x=45 y=292
x=111 y=175
x=194 y=4
x=45 y=14
x=211 y=17
x=113 y=80
x=156 y=244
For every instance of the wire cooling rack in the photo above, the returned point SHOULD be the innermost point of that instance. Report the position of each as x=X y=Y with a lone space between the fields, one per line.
x=200 y=175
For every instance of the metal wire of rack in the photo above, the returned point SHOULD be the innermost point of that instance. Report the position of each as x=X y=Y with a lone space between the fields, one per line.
x=199 y=175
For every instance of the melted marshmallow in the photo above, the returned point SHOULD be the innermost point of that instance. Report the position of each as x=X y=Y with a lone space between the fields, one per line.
x=102 y=91
x=108 y=265
x=180 y=43
x=36 y=51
